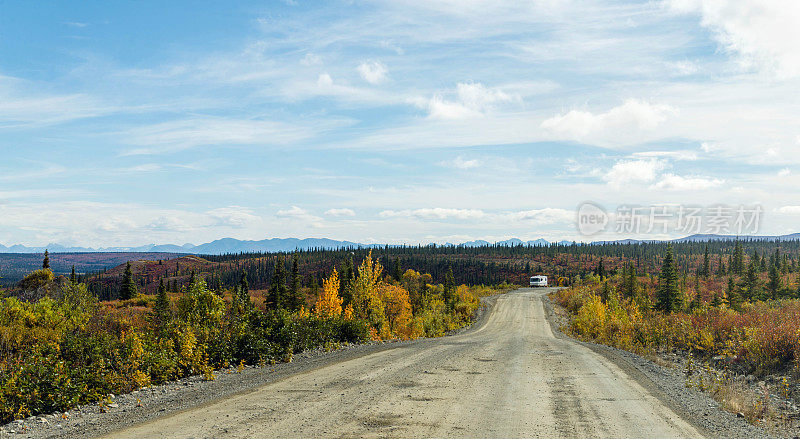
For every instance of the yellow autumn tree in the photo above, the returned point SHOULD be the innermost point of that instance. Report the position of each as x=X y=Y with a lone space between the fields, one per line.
x=329 y=304
x=397 y=309
x=367 y=303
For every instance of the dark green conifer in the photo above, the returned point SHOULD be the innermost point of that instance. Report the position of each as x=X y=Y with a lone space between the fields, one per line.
x=128 y=289
x=668 y=296
x=296 y=299
x=162 y=314
x=278 y=292
x=774 y=283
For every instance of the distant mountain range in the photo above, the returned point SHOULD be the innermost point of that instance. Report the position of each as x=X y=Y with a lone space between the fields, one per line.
x=231 y=245
x=220 y=246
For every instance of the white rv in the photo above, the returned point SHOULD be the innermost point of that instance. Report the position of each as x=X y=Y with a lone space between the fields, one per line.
x=539 y=281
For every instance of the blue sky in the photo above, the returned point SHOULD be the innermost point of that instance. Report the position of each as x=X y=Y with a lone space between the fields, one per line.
x=126 y=123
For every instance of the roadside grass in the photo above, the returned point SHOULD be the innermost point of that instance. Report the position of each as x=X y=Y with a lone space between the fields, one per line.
x=70 y=349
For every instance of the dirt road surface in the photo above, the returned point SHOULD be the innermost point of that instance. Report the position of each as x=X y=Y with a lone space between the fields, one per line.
x=509 y=377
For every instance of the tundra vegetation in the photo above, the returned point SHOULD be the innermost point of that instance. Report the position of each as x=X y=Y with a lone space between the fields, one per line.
x=60 y=346
x=741 y=315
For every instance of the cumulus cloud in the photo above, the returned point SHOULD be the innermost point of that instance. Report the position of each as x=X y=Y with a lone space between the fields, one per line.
x=296 y=213
x=373 y=72
x=631 y=115
x=634 y=171
x=324 y=80
x=471 y=99
x=338 y=213
x=435 y=213
x=678 y=183
x=292 y=212
x=763 y=34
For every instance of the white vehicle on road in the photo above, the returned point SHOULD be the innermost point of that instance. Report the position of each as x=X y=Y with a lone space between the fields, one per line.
x=539 y=281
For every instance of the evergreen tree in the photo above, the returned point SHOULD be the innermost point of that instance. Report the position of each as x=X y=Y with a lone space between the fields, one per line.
x=668 y=296
x=73 y=278
x=774 y=283
x=449 y=287
x=346 y=279
x=705 y=271
x=734 y=298
x=751 y=282
x=128 y=289
x=192 y=278
x=46 y=261
x=719 y=300
x=244 y=285
x=296 y=299
x=629 y=281
x=737 y=263
x=601 y=270
x=605 y=293
x=721 y=271
x=278 y=293
x=162 y=314
x=398 y=271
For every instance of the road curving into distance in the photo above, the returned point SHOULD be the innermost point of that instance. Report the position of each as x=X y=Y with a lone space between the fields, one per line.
x=508 y=377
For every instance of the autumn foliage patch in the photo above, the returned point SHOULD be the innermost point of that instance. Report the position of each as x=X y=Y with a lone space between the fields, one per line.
x=67 y=348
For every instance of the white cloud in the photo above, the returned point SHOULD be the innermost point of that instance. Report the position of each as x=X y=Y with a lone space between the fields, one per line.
x=183 y=134
x=472 y=100
x=547 y=215
x=785 y=172
x=436 y=213
x=684 y=68
x=678 y=183
x=709 y=147
x=292 y=212
x=633 y=171
x=234 y=216
x=338 y=213
x=373 y=72
x=146 y=167
x=789 y=210
x=163 y=223
x=676 y=155
x=763 y=33
x=324 y=80
x=631 y=115
x=311 y=59
x=118 y=223
x=22 y=103
x=462 y=163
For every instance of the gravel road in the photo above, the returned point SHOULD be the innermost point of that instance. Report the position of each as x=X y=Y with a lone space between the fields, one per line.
x=511 y=374
x=508 y=377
